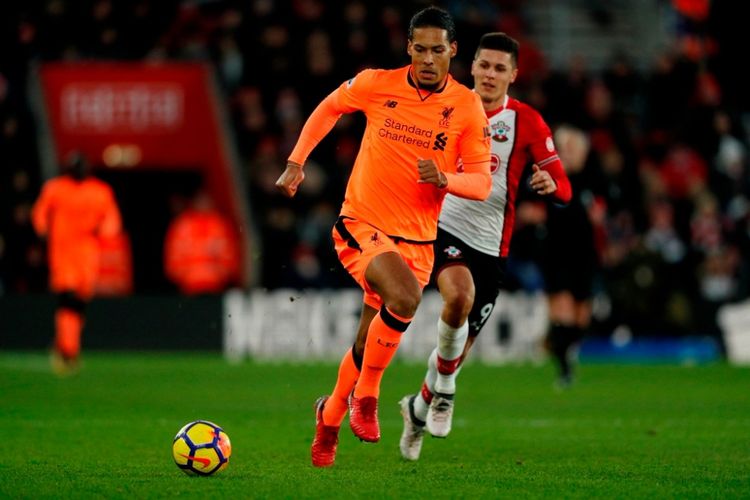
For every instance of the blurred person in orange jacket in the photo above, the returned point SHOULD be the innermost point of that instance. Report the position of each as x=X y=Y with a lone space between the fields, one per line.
x=115 y=274
x=72 y=212
x=201 y=251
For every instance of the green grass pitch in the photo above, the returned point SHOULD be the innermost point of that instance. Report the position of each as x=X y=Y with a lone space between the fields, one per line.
x=626 y=431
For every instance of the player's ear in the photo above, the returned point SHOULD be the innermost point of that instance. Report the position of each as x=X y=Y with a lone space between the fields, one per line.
x=408 y=48
x=454 y=49
x=513 y=75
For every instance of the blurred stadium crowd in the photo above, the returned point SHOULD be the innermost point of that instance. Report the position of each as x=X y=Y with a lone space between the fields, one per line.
x=665 y=182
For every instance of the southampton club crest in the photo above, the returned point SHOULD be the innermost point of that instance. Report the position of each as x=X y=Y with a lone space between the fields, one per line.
x=500 y=131
x=452 y=252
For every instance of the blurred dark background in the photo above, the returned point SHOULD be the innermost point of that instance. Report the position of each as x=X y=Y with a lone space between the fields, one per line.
x=654 y=84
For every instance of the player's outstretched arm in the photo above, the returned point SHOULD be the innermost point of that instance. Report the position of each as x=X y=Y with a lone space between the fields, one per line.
x=290 y=180
x=317 y=126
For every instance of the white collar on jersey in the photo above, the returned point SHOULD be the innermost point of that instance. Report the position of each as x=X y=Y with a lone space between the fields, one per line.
x=502 y=107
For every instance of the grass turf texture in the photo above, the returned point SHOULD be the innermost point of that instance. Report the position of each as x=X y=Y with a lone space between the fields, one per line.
x=621 y=431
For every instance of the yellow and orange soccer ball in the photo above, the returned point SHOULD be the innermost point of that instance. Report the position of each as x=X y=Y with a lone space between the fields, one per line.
x=201 y=448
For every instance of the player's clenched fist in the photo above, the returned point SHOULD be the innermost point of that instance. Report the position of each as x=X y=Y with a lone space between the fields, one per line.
x=541 y=181
x=291 y=178
x=429 y=173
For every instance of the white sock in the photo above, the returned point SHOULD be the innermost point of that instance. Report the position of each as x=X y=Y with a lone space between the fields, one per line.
x=451 y=342
x=420 y=405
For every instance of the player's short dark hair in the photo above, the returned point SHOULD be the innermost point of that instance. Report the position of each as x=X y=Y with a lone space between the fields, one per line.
x=76 y=164
x=433 y=17
x=499 y=41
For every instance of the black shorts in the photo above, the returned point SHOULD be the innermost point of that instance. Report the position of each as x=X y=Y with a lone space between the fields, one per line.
x=487 y=271
x=570 y=259
x=574 y=276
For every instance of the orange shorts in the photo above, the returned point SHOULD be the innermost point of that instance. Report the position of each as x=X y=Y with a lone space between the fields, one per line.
x=357 y=243
x=74 y=268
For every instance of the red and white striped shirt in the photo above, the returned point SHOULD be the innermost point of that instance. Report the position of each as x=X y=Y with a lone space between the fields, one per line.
x=520 y=137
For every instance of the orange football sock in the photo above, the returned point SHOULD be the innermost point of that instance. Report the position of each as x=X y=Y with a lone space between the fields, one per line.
x=383 y=338
x=336 y=406
x=68 y=326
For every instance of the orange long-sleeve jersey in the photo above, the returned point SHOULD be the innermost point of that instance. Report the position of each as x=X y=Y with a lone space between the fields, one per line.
x=404 y=126
x=72 y=215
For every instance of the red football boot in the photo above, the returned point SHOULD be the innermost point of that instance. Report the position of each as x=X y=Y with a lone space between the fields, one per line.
x=363 y=418
x=323 y=449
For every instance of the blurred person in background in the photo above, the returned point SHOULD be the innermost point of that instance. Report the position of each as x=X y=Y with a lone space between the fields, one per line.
x=420 y=121
x=474 y=236
x=201 y=249
x=570 y=258
x=72 y=212
x=115 y=273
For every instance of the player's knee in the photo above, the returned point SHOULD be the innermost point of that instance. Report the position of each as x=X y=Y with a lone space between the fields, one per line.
x=459 y=302
x=405 y=302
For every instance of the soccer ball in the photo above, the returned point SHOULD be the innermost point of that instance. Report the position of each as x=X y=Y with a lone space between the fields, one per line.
x=201 y=448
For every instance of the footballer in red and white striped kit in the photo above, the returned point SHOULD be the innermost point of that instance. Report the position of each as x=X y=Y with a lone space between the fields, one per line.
x=474 y=236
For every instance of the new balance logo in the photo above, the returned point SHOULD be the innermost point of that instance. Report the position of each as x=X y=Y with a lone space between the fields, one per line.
x=440 y=142
x=390 y=104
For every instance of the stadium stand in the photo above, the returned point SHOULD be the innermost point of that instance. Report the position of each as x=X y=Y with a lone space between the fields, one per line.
x=668 y=171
